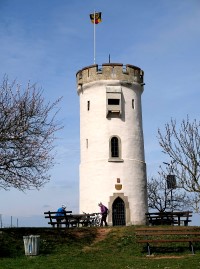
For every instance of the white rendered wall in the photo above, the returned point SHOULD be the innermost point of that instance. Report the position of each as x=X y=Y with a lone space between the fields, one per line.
x=98 y=175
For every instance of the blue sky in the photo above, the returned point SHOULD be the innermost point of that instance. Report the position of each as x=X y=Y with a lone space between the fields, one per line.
x=48 y=41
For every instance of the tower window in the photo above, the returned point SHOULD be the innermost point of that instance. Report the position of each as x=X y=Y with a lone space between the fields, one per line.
x=133 y=103
x=113 y=101
x=88 y=105
x=115 y=149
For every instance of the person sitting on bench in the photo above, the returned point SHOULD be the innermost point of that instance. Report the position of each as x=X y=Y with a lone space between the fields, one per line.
x=60 y=211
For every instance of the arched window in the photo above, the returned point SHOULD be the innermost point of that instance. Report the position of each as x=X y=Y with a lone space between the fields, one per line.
x=115 y=149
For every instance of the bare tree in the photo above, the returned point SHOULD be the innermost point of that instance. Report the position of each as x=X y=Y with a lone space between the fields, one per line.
x=182 y=145
x=27 y=133
x=163 y=197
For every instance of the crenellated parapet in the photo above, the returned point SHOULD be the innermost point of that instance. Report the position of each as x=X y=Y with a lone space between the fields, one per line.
x=110 y=71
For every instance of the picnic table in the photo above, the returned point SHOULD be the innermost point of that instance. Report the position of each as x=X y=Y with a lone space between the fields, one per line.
x=75 y=220
x=67 y=219
x=169 y=218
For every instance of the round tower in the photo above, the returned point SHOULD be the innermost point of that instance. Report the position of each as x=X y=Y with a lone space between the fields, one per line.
x=112 y=162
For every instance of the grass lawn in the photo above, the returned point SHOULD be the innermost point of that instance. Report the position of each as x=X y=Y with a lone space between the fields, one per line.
x=91 y=248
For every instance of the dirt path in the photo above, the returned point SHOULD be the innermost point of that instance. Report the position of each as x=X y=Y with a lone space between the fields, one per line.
x=101 y=235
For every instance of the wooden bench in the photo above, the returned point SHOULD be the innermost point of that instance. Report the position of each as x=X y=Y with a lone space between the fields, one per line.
x=159 y=235
x=58 y=220
x=67 y=219
x=169 y=218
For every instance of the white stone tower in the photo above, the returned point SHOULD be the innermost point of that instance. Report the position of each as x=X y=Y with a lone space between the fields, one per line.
x=112 y=162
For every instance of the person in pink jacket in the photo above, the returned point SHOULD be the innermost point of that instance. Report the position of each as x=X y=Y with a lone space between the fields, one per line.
x=104 y=213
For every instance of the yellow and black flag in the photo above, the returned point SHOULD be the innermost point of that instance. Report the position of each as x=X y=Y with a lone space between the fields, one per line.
x=95 y=17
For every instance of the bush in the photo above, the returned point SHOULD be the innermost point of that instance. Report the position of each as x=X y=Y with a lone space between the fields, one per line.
x=9 y=247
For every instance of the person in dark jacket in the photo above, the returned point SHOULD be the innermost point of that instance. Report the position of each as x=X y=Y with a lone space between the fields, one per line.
x=104 y=213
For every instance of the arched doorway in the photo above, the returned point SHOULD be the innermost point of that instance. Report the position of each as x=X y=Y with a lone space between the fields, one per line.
x=118 y=212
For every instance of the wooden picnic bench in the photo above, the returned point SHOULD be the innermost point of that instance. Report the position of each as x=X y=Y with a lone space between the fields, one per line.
x=67 y=219
x=169 y=218
x=75 y=220
x=58 y=221
x=159 y=235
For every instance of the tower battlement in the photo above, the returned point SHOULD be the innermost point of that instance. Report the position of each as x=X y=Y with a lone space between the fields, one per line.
x=110 y=71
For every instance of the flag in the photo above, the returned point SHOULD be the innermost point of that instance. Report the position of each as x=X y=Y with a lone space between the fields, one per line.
x=97 y=18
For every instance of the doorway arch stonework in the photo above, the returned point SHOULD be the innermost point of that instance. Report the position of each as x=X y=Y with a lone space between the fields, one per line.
x=127 y=208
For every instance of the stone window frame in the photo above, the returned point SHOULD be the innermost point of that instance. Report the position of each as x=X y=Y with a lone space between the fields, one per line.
x=119 y=155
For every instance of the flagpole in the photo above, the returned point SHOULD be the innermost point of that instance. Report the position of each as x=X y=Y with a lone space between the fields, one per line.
x=94 y=38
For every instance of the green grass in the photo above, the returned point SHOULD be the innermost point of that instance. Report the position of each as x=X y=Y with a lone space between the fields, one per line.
x=82 y=248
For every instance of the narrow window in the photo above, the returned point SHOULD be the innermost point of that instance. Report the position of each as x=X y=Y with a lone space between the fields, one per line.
x=133 y=103
x=86 y=143
x=114 y=147
x=115 y=150
x=88 y=105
